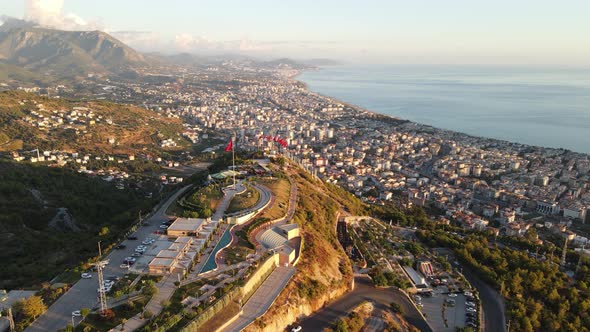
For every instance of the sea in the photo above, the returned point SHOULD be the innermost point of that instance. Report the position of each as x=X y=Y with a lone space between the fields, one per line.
x=547 y=107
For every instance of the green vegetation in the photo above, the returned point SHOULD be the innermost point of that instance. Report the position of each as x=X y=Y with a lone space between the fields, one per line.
x=539 y=296
x=236 y=254
x=280 y=187
x=199 y=202
x=396 y=308
x=33 y=248
x=27 y=310
x=383 y=279
x=136 y=130
x=120 y=314
x=243 y=201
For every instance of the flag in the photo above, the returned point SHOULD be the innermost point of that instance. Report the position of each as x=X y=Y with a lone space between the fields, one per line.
x=230 y=145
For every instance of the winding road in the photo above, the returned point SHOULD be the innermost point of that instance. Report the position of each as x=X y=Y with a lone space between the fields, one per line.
x=364 y=291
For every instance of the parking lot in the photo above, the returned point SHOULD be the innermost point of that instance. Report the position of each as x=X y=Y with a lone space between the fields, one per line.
x=455 y=313
x=83 y=294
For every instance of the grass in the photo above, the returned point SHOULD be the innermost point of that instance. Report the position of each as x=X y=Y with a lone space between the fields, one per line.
x=96 y=323
x=243 y=201
x=281 y=190
x=223 y=316
x=68 y=277
x=237 y=254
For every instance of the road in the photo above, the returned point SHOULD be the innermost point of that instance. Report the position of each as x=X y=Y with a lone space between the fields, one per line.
x=364 y=291
x=83 y=294
x=494 y=316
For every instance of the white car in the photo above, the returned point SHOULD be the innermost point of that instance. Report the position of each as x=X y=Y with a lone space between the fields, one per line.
x=76 y=313
x=296 y=329
x=124 y=266
x=86 y=275
x=452 y=295
x=104 y=289
x=163 y=227
x=470 y=309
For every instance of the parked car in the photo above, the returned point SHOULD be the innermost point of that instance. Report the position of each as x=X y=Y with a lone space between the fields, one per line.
x=86 y=275
x=470 y=309
x=452 y=295
x=296 y=329
x=76 y=313
x=132 y=237
x=124 y=266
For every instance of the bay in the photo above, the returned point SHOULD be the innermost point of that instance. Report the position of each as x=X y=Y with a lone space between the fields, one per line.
x=547 y=107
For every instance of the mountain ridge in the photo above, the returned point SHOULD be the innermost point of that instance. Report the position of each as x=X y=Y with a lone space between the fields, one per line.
x=67 y=53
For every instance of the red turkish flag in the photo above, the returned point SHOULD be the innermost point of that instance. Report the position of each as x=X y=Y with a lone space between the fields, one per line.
x=230 y=145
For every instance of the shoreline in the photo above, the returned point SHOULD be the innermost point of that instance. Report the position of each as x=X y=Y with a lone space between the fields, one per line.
x=296 y=78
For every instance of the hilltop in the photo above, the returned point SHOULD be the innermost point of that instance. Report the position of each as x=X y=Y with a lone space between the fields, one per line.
x=324 y=270
x=49 y=54
x=29 y=121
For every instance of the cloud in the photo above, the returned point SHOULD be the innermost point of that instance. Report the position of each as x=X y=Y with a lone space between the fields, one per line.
x=50 y=13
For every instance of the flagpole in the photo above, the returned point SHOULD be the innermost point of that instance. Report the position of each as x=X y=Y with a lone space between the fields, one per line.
x=233 y=154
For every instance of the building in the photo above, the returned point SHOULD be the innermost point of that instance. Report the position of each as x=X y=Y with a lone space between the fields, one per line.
x=186 y=227
x=179 y=256
x=290 y=231
x=425 y=267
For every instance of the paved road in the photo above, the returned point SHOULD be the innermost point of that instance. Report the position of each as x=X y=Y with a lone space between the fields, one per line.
x=83 y=294
x=262 y=299
x=364 y=291
x=494 y=317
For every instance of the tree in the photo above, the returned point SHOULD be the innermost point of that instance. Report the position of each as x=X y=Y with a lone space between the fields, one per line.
x=147 y=314
x=84 y=312
x=31 y=307
x=104 y=231
x=396 y=308
x=150 y=289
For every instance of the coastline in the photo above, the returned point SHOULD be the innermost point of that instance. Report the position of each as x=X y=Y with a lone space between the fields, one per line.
x=426 y=127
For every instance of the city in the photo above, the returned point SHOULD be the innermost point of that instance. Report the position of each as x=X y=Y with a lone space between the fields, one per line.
x=157 y=192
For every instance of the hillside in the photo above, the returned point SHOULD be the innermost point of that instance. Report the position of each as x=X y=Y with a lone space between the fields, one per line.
x=51 y=219
x=65 y=53
x=29 y=121
x=324 y=271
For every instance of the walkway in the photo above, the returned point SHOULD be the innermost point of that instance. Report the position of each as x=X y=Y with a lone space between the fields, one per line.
x=262 y=299
x=257 y=233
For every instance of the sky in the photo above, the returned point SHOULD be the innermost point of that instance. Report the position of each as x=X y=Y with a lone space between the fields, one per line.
x=541 y=32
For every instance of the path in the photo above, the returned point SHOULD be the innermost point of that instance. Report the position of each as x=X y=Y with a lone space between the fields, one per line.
x=262 y=299
x=364 y=291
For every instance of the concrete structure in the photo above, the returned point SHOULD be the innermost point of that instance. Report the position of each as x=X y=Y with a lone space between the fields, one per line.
x=186 y=227
x=289 y=231
x=178 y=257
x=418 y=280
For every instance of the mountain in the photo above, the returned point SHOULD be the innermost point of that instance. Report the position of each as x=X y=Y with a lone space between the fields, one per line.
x=65 y=53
